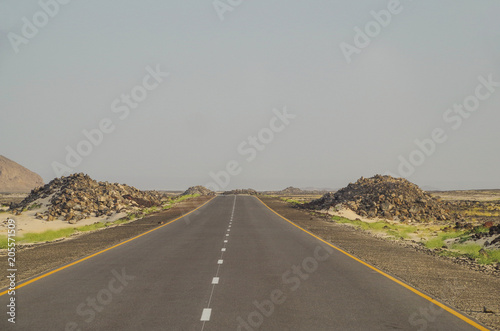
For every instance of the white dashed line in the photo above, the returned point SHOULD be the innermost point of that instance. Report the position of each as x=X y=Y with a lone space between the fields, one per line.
x=205 y=316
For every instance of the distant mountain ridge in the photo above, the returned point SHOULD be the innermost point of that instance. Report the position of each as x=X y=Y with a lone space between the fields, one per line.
x=14 y=178
x=321 y=189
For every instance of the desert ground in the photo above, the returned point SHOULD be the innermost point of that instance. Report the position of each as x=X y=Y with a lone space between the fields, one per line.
x=430 y=254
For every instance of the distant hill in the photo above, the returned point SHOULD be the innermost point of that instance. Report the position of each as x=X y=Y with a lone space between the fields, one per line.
x=319 y=189
x=290 y=191
x=249 y=191
x=14 y=178
x=429 y=188
x=200 y=190
x=298 y=191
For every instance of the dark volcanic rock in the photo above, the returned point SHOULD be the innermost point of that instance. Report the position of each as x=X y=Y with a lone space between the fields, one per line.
x=387 y=197
x=241 y=191
x=200 y=190
x=78 y=196
x=292 y=191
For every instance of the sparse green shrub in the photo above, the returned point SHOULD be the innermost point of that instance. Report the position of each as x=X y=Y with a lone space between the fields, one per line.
x=294 y=201
x=50 y=235
x=34 y=206
x=475 y=251
x=395 y=230
x=177 y=199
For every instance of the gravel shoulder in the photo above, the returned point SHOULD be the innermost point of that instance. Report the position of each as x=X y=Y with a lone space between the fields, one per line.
x=472 y=292
x=40 y=258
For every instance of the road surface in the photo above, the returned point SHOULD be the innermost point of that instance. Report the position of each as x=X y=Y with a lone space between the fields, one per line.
x=233 y=264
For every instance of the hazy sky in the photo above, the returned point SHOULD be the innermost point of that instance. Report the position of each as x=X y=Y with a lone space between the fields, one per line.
x=362 y=80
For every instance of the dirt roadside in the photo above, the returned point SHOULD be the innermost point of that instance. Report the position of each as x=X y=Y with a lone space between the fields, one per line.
x=474 y=293
x=32 y=261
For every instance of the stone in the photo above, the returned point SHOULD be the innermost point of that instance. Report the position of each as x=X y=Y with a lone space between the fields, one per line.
x=248 y=191
x=199 y=190
x=78 y=196
x=387 y=197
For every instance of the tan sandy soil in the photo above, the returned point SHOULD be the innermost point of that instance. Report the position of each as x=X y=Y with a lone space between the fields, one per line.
x=352 y=215
x=28 y=223
x=477 y=195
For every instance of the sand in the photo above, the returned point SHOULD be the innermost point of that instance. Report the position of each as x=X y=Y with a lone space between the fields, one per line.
x=424 y=230
x=349 y=214
x=27 y=223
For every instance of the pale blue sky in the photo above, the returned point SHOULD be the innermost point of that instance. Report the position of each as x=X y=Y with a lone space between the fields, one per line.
x=226 y=77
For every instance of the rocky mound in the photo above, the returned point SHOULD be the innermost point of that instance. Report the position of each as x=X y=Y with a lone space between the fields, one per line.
x=14 y=178
x=298 y=191
x=292 y=191
x=78 y=196
x=386 y=197
x=200 y=190
x=248 y=191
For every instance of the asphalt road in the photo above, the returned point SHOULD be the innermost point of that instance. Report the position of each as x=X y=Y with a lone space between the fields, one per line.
x=231 y=265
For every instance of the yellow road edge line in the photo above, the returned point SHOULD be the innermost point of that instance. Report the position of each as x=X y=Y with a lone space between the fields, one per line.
x=99 y=252
x=414 y=290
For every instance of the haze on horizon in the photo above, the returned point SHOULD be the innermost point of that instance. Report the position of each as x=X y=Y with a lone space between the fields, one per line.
x=282 y=93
